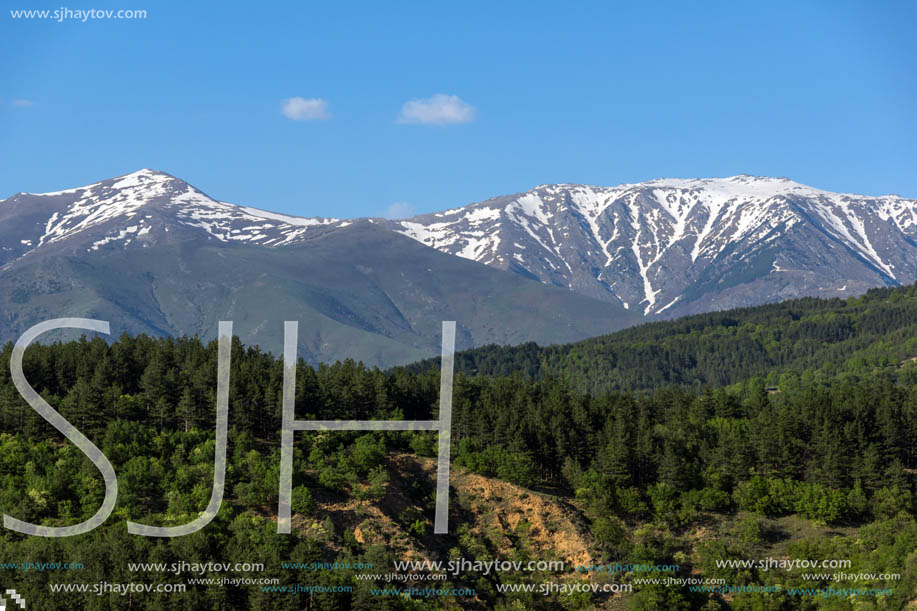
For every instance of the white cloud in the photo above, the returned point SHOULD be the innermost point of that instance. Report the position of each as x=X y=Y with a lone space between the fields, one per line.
x=21 y=103
x=439 y=109
x=302 y=109
x=399 y=210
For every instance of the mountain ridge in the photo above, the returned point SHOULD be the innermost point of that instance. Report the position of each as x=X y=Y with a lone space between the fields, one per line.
x=660 y=249
x=780 y=345
x=151 y=254
x=661 y=244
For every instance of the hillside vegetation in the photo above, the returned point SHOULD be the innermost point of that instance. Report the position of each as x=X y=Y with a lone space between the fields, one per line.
x=780 y=343
x=823 y=467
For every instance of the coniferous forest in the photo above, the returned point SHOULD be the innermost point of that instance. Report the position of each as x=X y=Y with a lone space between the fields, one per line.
x=784 y=430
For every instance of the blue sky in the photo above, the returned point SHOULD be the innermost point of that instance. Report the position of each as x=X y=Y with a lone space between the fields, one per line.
x=528 y=93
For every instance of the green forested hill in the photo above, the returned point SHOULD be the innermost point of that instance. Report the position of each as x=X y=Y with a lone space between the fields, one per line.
x=645 y=472
x=823 y=469
x=779 y=343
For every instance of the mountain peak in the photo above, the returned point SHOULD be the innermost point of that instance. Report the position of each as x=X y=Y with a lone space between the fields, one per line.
x=146 y=174
x=744 y=184
x=680 y=245
x=148 y=204
x=122 y=206
x=740 y=184
x=143 y=177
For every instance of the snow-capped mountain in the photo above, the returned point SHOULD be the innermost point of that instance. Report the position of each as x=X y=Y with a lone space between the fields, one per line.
x=671 y=247
x=151 y=254
x=664 y=248
x=139 y=208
